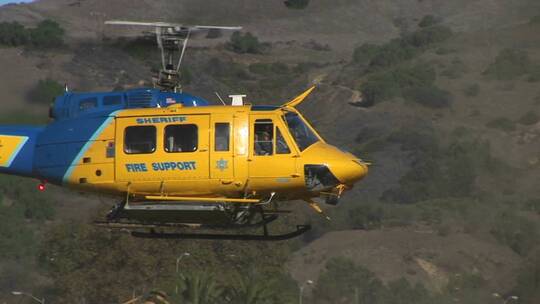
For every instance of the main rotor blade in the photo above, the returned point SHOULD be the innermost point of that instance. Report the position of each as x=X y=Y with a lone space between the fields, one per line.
x=174 y=25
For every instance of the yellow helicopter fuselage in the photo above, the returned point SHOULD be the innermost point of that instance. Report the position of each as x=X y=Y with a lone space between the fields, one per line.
x=221 y=152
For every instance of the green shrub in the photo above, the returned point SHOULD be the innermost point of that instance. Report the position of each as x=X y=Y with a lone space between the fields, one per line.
x=296 y=4
x=533 y=205
x=456 y=69
x=428 y=36
x=502 y=123
x=341 y=281
x=509 y=64
x=247 y=43
x=534 y=74
x=13 y=34
x=365 y=53
x=394 y=52
x=47 y=34
x=530 y=118
x=472 y=90
x=366 y=216
x=528 y=280
x=142 y=48
x=45 y=91
x=517 y=232
x=438 y=172
x=386 y=85
x=226 y=70
x=428 y=20
x=429 y=96
x=535 y=20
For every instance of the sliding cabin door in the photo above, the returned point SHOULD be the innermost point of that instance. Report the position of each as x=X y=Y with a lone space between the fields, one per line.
x=221 y=147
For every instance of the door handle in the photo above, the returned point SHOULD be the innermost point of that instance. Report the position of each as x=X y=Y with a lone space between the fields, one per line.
x=203 y=150
x=295 y=175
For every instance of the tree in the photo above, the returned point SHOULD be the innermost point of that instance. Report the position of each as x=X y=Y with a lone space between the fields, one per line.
x=250 y=289
x=200 y=288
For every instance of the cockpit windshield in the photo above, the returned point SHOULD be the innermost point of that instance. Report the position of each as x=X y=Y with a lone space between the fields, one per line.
x=300 y=131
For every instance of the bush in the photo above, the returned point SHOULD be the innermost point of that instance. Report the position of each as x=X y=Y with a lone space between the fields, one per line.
x=428 y=20
x=509 y=64
x=142 y=48
x=528 y=280
x=47 y=34
x=296 y=4
x=13 y=34
x=502 y=123
x=472 y=90
x=438 y=172
x=534 y=74
x=46 y=91
x=365 y=53
x=342 y=280
x=455 y=70
x=394 y=52
x=529 y=118
x=429 y=96
x=428 y=36
x=518 y=233
x=247 y=43
x=387 y=85
x=366 y=216
x=535 y=20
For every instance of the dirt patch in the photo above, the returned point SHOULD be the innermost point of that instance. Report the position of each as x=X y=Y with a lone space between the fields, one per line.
x=417 y=255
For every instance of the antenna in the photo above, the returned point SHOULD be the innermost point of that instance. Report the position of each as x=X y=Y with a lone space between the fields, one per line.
x=172 y=39
x=221 y=99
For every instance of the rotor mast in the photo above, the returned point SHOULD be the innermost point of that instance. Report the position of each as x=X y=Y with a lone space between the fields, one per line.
x=172 y=40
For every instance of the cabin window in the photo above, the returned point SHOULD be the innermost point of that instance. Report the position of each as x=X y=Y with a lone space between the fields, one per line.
x=112 y=100
x=140 y=140
x=222 y=136
x=181 y=138
x=87 y=104
x=264 y=137
x=300 y=131
x=281 y=144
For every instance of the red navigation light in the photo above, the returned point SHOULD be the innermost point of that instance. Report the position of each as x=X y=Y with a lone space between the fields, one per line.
x=41 y=187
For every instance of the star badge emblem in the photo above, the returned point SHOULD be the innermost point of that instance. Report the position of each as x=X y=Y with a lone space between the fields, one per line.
x=222 y=164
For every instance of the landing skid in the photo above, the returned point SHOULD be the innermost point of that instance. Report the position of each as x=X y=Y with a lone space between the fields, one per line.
x=300 y=229
x=117 y=220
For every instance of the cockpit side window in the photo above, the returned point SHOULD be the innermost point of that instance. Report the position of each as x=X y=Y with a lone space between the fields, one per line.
x=87 y=104
x=300 y=131
x=281 y=144
x=264 y=137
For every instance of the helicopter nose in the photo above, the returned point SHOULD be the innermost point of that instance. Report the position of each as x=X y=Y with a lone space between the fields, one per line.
x=350 y=171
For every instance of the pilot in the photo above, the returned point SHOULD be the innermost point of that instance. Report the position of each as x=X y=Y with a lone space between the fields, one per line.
x=263 y=142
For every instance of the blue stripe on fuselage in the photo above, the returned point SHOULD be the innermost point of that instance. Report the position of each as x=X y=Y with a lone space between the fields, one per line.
x=87 y=145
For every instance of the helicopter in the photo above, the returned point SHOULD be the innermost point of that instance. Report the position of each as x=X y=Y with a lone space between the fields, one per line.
x=178 y=164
